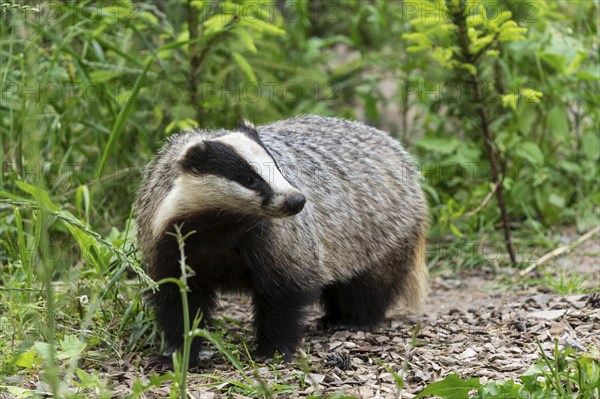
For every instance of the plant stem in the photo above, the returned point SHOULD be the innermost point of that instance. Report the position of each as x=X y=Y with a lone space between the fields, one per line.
x=488 y=136
x=195 y=58
x=488 y=139
x=183 y=289
x=51 y=364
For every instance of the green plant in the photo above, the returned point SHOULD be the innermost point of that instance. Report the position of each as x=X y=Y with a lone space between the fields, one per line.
x=502 y=76
x=565 y=374
x=566 y=283
x=181 y=361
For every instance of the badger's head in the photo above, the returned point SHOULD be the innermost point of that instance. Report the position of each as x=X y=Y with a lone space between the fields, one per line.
x=233 y=173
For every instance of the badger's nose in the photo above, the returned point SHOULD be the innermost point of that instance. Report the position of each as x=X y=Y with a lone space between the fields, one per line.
x=294 y=204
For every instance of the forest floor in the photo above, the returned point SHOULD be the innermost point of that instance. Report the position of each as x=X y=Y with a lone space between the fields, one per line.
x=472 y=324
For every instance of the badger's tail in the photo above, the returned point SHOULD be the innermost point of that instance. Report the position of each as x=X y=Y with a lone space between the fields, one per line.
x=415 y=283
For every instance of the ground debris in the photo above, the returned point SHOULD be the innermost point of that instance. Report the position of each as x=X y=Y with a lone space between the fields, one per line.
x=463 y=329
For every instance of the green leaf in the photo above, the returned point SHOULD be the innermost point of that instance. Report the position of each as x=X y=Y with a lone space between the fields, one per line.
x=443 y=56
x=510 y=31
x=40 y=195
x=530 y=378
x=101 y=76
x=216 y=23
x=563 y=52
x=21 y=392
x=71 y=347
x=570 y=167
x=451 y=387
x=556 y=61
x=440 y=145
x=246 y=40
x=501 y=390
x=532 y=95
x=527 y=115
x=479 y=43
x=531 y=152
x=43 y=349
x=419 y=42
x=262 y=26
x=456 y=231
x=472 y=69
x=590 y=144
x=466 y=155
x=371 y=107
x=588 y=74
x=25 y=359
x=86 y=380
x=576 y=63
x=557 y=122
x=510 y=101
x=244 y=66
x=556 y=200
x=181 y=124
x=82 y=201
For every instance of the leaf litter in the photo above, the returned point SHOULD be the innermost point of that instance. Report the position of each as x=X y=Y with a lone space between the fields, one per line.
x=467 y=327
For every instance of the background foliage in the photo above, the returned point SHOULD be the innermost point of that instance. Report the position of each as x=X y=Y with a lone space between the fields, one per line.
x=91 y=89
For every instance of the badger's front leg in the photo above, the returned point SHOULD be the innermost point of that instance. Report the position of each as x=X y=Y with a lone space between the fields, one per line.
x=279 y=315
x=169 y=316
x=286 y=279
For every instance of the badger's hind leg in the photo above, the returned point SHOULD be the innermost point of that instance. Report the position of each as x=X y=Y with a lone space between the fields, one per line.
x=362 y=301
x=279 y=320
x=359 y=303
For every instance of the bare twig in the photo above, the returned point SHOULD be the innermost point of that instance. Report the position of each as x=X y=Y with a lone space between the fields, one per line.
x=561 y=250
x=483 y=204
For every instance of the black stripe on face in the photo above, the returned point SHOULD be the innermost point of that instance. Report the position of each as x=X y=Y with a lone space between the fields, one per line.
x=250 y=131
x=220 y=159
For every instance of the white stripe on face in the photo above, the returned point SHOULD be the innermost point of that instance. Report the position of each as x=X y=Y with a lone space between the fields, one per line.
x=264 y=165
x=193 y=194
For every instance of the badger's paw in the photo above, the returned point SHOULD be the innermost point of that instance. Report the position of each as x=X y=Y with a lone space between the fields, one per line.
x=336 y=324
x=272 y=354
x=164 y=363
x=160 y=363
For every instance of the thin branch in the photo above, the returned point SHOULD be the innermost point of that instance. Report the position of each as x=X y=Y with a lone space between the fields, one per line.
x=483 y=204
x=195 y=60
x=561 y=250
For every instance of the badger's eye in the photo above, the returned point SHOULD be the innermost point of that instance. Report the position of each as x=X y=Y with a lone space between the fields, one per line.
x=249 y=180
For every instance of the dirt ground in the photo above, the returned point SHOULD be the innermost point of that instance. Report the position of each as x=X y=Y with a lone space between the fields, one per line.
x=472 y=324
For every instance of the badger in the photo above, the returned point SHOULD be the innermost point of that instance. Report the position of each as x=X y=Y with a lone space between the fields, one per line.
x=307 y=210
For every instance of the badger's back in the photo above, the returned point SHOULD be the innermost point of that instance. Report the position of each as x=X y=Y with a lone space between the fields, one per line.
x=365 y=210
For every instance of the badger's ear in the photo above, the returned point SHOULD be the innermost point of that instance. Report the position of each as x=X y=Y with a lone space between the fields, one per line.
x=192 y=158
x=248 y=129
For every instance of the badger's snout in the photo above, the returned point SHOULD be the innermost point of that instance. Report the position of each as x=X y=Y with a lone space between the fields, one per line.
x=294 y=204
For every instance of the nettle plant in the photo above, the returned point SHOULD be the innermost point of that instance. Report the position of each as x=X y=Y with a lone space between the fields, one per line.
x=503 y=119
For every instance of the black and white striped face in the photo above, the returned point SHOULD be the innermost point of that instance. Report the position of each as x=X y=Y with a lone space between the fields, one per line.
x=233 y=173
